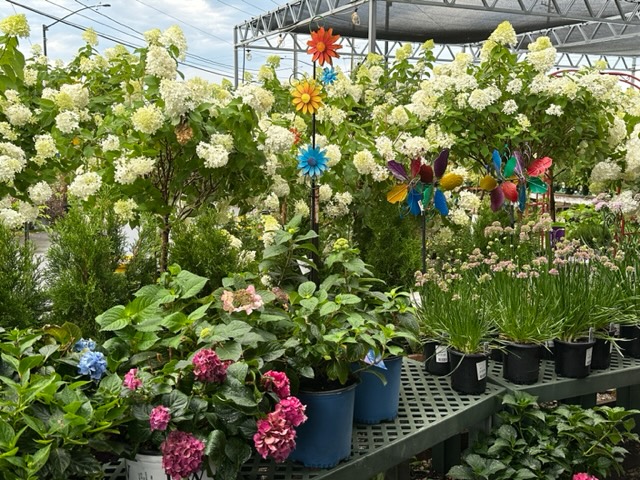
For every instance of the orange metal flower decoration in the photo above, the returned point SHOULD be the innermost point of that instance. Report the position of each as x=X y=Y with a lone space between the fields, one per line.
x=307 y=97
x=323 y=46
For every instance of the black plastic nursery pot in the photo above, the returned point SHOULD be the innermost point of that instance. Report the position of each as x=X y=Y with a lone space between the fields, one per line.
x=630 y=340
x=548 y=351
x=602 y=353
x=573 y=359
x=521 y=363
x=436 y=358
x=468 y=372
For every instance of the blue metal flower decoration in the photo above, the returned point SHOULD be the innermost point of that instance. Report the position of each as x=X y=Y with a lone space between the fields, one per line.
x=328 y=75
x=312 y=161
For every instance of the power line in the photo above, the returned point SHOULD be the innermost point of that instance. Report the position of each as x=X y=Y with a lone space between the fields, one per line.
x=185 y=23
x=233 y=6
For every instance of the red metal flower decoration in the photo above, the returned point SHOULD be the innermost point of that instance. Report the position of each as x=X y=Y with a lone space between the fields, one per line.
x=323 y=46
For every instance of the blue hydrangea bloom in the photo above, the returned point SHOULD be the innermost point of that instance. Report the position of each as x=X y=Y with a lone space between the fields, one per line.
x=328 y=76
x=83 y=344
x=93 y=364
x=312 y=161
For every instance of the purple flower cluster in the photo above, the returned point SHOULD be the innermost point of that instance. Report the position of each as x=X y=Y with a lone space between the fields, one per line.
x=277 y=382
x=131 y=381
x=181 y=454
x=207 y=366
x=276 y=435
x=159 y=418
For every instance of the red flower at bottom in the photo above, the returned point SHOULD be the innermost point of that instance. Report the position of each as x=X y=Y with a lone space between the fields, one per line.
x=181 y=454
x=275 y=437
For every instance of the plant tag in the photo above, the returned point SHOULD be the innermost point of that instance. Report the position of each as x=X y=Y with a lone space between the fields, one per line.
x=371 y=359
x=591 y=334
x=481 y=368
x=610 y=347
x=548 y=343
x=421 y=205
x=416 y=299
x=616 y=329
x=587 y=359
x=441 y=354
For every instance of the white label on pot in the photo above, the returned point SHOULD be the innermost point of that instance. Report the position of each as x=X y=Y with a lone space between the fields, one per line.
x=587 y=360
x=481 y=367
x=441 y=354
x=548 y=343
x=610 y=347
x=616 y=329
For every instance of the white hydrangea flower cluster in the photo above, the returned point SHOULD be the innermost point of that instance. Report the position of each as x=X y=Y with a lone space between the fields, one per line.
x=18 y=114
x=11 y=219
x=398 y=116
x=554 y=110
x=256 y=97
x=215 y=153
x=343 y=87
x=40 y=192
x=12 y=161
x=125 y=209
x=604 y=172
x=181 y=97
x=301 y=208
x=384 y=146
x=364 y=162
x=174 y=37
x=71 y=97
x=331 y=114
x=147 y=119
x=272 y=203
x=270 y=226
x=324 y=193
x=85 y=184
x=68 y=121
x=423 y=104
x=110 y=144
x=459 y=217
x=504 y=34
x=339 y=205
x=617 y=132
x=514 y=86
x=509 y=107
x=632 y=157
x=469 y=201
x=8 y=132
x=265 y=74
x=278 y=139
x=130 y=169
x=45 y=147
x=160 y=63
x=404 y=52
x=481 y=98
x=333 y=154
x=280 y=186
x=542 y=54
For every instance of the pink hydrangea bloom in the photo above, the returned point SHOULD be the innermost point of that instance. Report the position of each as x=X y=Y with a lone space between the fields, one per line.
x=131 y=381
x=181 y=454
x=278 y=382
x=246 y=300
x=208 y=367
x=275 y=437
x=583 y=476
x=159 y=418
x=292 y=410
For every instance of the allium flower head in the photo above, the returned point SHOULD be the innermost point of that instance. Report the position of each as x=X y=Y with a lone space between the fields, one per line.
x=312 y=161
x=93 y=364
x=277 y=382
x=275 y=437
x=159 y=418
x=207 y=366
x=292 y=410
x=131 y=380
x=181 y=454
x=323 y=46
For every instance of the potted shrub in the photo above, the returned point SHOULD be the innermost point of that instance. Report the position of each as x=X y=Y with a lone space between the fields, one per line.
x=328 y=328
x=194 y=377
x=524 y=321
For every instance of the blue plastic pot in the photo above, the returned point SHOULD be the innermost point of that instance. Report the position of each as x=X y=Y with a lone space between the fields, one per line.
x=325 y=438
x=375 y=401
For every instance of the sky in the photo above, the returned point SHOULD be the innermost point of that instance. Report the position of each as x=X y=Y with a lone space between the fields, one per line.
x=207 y=24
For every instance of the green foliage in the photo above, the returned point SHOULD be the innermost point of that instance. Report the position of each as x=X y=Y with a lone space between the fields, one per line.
x=21 y=297
x=142 y=267
x=595 y=229
x=53 y=421
x=531 y=442
x=204 y=248
x=390 y=243
x=86 y=248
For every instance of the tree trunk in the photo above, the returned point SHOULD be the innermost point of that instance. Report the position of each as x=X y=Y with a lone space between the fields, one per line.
x=164 y=245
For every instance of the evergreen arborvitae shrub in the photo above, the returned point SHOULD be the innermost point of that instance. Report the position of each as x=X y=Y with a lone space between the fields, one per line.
x=86 y=248
x=21 y=297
